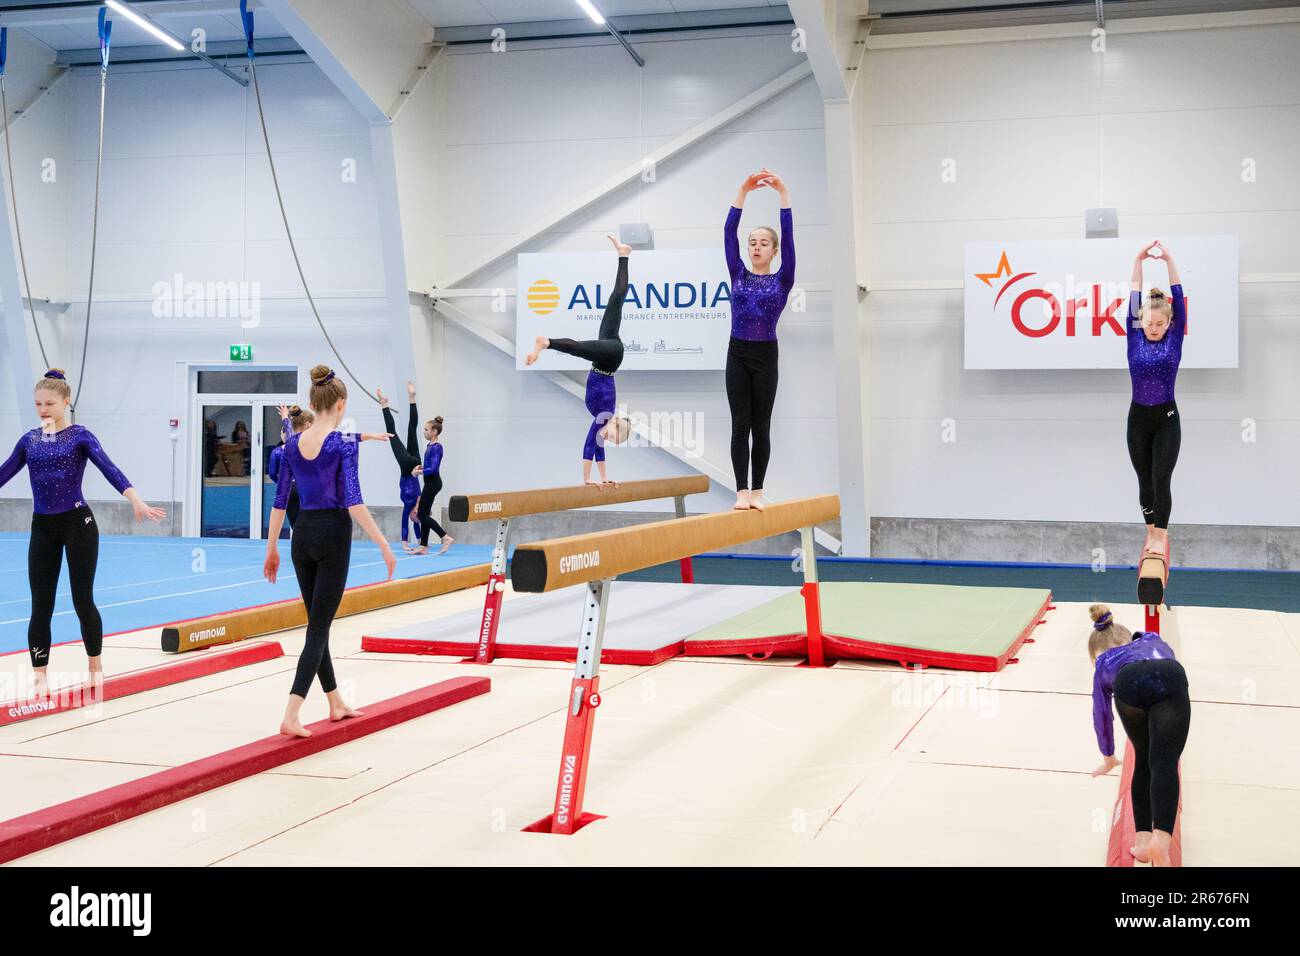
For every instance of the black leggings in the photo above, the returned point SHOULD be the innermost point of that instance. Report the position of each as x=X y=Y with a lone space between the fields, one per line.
x=751 y=393
x=75 y=533
x=321 y=549
x=293 y=506
x=1154 y=437
x=408 y=455
x=605 y=352
x=1153 y=704
x=432 y=485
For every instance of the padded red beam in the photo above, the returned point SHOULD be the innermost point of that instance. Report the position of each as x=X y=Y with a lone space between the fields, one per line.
x=1123 y=831
x=202 y=664
x=66 y=821
x=640 y=657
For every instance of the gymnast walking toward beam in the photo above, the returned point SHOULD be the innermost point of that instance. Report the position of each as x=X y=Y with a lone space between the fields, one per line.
x=323 y=463
x=606 y=356
x=55 y=455
x=1149 y=688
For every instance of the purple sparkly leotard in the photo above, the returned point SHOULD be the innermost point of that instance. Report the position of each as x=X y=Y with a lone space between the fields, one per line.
x=329 y=480
x=758 y=300
x=1143 y=647
x=56 y=463
x=1153 y=366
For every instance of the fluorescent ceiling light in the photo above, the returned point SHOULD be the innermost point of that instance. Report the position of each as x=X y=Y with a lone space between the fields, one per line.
x=144 y=24
x=591 y=11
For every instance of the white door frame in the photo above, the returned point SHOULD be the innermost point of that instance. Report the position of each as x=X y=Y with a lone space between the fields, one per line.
x=191 y=525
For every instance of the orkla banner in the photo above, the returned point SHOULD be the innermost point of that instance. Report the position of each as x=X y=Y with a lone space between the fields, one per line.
x=1064 y=304
x=677 y=314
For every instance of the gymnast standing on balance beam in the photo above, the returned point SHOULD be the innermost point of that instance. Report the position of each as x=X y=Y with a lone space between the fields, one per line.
x=55 y=455
x=323 y=463
x=409 y=464
x=605 y=353
x=1149 y=688
x=758 y=296
x=1155 y=349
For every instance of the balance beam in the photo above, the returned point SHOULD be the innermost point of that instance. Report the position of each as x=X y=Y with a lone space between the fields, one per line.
x=577 y=559
x=266 y=619
x=516 y=504
x=595 y=559
x=138 y=681
x=66 y=821
x=505 y=505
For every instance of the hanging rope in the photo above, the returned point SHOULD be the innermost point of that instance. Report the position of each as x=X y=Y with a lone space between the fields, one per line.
x=13 y=194
x=105 y=36
x=246 y=17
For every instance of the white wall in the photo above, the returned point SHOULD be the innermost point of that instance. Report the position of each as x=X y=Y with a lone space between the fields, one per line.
x=1040 y=130
x=186 y=189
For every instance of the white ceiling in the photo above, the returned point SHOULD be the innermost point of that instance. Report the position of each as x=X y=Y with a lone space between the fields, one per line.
x=77 y=28
x=463 y=13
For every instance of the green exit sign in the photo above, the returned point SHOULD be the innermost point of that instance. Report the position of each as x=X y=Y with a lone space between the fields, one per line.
x=241 y=353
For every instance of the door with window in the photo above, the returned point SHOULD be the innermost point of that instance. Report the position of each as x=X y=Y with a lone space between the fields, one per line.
x=239 y=427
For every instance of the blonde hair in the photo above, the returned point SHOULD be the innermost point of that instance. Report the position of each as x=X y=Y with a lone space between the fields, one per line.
x=436 y=425
x=300 y=420
x=1110 y=635
x=54 y=381
x=1159 y=302
x=327 y=389
x=776 y=240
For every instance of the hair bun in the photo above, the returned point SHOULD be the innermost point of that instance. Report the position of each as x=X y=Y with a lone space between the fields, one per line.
x=437 y=420
x=321 y=374
x=295 y=412
x=56 y=373
x=1156 y=294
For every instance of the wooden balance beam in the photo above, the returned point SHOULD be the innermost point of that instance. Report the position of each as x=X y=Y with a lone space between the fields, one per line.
x=504 y=505
x=595 y=559
x=284 y=615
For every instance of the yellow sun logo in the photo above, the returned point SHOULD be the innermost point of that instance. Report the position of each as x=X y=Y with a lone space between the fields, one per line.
x=543 y=297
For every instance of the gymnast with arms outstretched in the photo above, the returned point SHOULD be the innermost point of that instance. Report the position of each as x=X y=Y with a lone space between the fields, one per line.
x=55 y=455
x=606 y=355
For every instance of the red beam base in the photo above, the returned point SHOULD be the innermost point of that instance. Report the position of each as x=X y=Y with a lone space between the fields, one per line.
x=1123 y=831
x=66 y=821
x=485 y=653
x=197 y=664
x=568 y=817
x=688 y=571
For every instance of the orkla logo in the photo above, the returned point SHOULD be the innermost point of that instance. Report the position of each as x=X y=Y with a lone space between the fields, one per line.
x=1070 y=308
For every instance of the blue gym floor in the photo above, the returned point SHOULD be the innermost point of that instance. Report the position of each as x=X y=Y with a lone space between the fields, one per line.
x=149 y=581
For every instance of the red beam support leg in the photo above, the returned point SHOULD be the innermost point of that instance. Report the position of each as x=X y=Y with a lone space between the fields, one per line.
x=584 y=697
x=487 y=631
x=812 y=601
x=1152 y=625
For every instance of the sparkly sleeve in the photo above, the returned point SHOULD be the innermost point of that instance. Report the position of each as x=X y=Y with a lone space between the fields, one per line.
x=95 y=452
x=284 y=483
x=1134 y=312
x=1103 y=719
x=1179 y=325
x=731 y=243
x=273 y=465
x=286 y=429
x=787 y=249
x=349 y=479
x=15 y=463
x=433 y=458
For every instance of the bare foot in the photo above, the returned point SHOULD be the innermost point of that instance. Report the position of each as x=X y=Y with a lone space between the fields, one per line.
x=611 y=484
x=593 y=481
x=539 y=345
x=40 y=685
x=293 y=728
x=1141 y=849
x=446 y=543
x=410 y=390
x=420 y=550
x=742 y=500
x=344 y=712
x=379 y=394
x=1158 y=849
x=756 y=500
x=408 y=549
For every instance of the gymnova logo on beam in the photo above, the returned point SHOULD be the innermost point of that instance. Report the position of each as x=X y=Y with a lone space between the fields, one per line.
x=578 y=562
x=74 y=909
x=486 y=507
x=567 y=774
x=207 y=634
